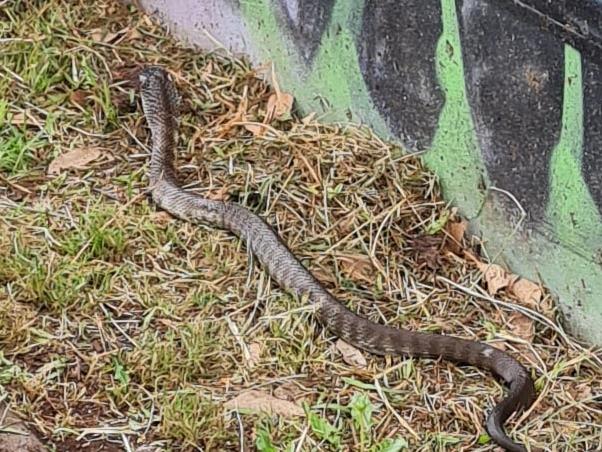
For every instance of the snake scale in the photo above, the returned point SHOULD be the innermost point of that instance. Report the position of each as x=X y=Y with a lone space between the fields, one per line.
x=160 y=102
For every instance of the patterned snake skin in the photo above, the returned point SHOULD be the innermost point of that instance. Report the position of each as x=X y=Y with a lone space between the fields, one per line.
x=160 y=103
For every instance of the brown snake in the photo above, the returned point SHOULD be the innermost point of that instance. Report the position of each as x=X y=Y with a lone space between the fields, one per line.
x=160 y=102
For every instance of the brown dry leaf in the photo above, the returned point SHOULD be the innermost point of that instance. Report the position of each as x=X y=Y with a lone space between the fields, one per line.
x=456 y=230
x=280 y=103
x=100 y=35
x=279 y=106
x=351 y=355
x=347 y=224
x=79 y=97
x=527 y=292
x=77 y=158
x=499 y=345
x=256 y=128
x=133 y=33
x=96 y=35
x=426 y=250
x=522 y=326
x=495 y=276
x=239 y=116
x=218 y=195
x=23 y=119
x=357 y=267
x=161 y=218
x=324 y=275
x=584 y=391
x=255 y=400
x=290 y=391
x=255 y=354
x=309 y=118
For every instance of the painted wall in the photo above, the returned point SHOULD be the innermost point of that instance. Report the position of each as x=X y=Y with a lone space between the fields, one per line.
x=504 y=97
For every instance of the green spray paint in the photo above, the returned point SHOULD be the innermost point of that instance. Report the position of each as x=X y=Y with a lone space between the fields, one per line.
x=336 y=68
x=274 y=45
x=571 y=209
x=333 y=84
x=569 y=267
x=454 y=154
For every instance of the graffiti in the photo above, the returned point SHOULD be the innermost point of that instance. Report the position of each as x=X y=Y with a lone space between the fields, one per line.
x=592 y=161
x=512 y=104
x=461 y=172
x=401 y=77
x=492 y=98
x=307 y=20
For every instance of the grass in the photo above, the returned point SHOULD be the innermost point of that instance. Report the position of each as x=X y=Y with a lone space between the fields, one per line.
x=121 y=327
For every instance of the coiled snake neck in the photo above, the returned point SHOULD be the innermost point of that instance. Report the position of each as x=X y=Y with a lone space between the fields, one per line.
x=160 y=103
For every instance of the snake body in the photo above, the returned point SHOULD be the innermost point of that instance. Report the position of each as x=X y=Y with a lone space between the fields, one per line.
x=160 y=102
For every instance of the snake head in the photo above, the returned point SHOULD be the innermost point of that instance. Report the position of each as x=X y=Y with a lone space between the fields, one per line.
x=153 y=78
x=156 y=87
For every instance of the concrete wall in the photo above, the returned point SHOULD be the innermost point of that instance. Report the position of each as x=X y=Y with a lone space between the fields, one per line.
x=503 y=96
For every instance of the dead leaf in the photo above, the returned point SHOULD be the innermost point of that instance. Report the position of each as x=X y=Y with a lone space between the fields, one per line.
x=96 y=34
x=255 y=354
x=351 y=355
x=239 y=116
x=279 y=106
x=100 y=35
x=527 y=292
x=584 y=391
x=290 y=391
x=127 y=73
x=309 y=118
x=77 y=158
x=255 y=400
x=256 y=128
x=456 y=230
x=357 y=267
x=323 y=275
x=347 y=224
x=280 y=103
x=161 y=218
x=499 y=345
x=426 y=250
x=522 y=326
x=133 y=33
x=24 y=119
x=122 y=102
x=79 y=97
x=495 y=276
x=218 y=195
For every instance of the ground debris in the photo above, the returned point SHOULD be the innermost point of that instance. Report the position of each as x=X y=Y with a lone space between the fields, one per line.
x=263 y=402
x=117 y=320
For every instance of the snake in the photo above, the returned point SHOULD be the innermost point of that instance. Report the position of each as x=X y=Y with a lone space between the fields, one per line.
x=160 y=103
